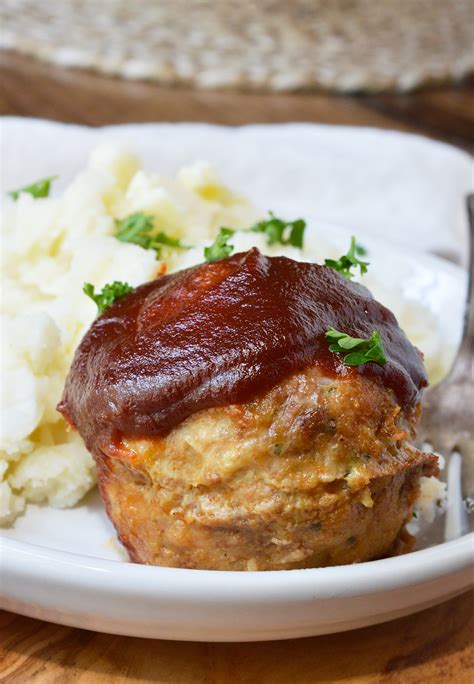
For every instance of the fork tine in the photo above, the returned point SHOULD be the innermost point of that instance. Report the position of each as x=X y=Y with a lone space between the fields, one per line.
x=456 y=517
x=466 y=449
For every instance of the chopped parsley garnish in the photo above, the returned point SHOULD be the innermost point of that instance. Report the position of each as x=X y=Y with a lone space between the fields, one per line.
x=219 y=248
x=135 y=228
x=360 y=250
x=38 y=189
x=348 y=261
x=277 y=232
x=109 y=294
x=138 y=229
x=356 y=350
x=281 y=232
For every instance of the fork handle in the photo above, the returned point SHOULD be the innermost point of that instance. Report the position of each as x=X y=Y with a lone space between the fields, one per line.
x=463 y=363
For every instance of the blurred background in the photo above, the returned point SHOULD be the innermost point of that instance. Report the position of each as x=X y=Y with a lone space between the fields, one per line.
x=404 y=64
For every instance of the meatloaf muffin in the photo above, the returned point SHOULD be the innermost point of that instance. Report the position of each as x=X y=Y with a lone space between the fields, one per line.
x=228 y=435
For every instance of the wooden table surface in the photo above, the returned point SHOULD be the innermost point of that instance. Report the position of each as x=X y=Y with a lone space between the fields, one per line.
x=432 y=646
x=436 y=645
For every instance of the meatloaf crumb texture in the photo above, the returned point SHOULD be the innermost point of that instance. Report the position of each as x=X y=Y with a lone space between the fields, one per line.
x=316 y=471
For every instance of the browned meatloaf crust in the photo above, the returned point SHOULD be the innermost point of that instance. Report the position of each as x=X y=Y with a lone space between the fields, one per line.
x=313 y=473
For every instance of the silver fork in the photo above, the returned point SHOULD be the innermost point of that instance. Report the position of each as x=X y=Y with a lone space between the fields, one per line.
x=447 y=423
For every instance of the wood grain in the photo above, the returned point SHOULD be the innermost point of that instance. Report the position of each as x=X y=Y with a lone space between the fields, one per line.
x=30 y=88
x=435 y=645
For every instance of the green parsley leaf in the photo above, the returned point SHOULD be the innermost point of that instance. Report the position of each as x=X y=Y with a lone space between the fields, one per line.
x=219 y=248
x=347 y=262
x=360 y=350
x=360 y=250
x=138 y=229
x=108 y=295
x=164 y=239
x=39 y=189
x=135 y=228
x=281 y=232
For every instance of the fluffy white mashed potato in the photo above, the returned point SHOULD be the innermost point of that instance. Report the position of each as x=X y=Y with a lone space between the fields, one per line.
x=51 y=246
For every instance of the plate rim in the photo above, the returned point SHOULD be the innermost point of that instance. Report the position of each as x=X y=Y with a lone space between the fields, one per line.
x=384 y=574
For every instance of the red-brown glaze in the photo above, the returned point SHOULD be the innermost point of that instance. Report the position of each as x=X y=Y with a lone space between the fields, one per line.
x=222 y=333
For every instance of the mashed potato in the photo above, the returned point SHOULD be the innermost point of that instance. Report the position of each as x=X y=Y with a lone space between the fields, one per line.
x=51 y=246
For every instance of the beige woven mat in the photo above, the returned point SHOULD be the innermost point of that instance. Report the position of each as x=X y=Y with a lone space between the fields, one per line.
x=345 y=45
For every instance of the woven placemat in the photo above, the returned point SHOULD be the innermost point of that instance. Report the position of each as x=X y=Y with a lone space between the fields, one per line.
x=343 y=45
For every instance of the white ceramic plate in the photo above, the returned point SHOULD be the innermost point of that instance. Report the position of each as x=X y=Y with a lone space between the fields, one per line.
x=65 y=566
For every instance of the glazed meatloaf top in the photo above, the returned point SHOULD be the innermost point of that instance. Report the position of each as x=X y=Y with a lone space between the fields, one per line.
x=221 y=333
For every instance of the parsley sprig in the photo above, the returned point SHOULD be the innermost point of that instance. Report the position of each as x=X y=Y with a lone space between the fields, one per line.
x=220 y=249
x=345 y=263
x=108 y=295
x=357 y=350
x=138 y=229
x=37 y=189
x=281 y=232
x=276 y=230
